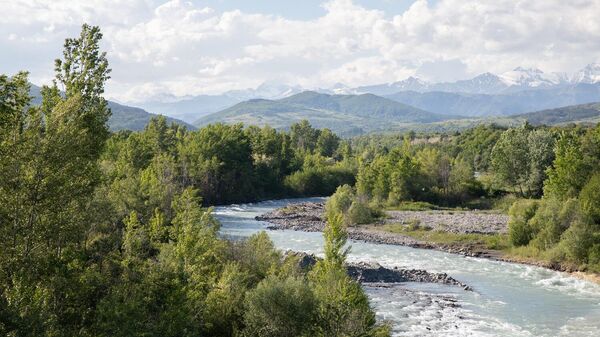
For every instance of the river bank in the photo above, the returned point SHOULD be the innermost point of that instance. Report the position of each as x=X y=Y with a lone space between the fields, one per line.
x=463 y=232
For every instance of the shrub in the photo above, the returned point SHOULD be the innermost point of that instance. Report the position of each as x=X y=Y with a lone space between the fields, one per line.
x=551 y=219
x=318 y=181
x=359 y=213
x=577 y=240
x=340 y=201
x=520 y=231
x=354 y=209
x=590 y=198
x=280 y=308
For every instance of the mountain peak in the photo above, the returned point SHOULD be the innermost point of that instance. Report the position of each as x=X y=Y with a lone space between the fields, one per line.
x=590 y=74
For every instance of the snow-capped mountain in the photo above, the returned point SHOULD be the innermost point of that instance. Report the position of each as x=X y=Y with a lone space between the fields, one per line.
x=267 y=90
x=523 y=85
x=590 y=74
x=486 y=83
x=409 y=84
x=533 y=78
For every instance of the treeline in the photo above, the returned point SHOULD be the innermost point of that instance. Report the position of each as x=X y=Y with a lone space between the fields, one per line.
x=105 y=235
x=550 y=176
x=226 y=163
x=564 y=225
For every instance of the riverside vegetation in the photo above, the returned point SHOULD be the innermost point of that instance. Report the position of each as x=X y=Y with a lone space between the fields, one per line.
x=106 y=234
x=111 y=234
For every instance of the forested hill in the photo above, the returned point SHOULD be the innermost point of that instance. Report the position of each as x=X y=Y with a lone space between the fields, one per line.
x=568 y=114
x=344 y=114
x=123 y=117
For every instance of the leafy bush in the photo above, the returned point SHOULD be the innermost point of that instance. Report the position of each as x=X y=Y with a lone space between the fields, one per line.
x=519 y=230
x=589 y=198
x=280 y=308
x=354 y=209
x=551 y=219
x=318 y=181
x=577 y=240
x=359 y=213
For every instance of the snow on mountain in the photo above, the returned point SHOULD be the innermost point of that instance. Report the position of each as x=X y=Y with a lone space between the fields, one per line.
x=267 y=90
x=409 y=84
x=532 y=78
x=486 y=83
x=590 y=74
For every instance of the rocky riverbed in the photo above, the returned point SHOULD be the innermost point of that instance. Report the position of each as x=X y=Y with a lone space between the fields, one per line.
x=309 y=217
x=374 y=274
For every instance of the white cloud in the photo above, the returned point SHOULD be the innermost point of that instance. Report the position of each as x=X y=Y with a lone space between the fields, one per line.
x=182 y=47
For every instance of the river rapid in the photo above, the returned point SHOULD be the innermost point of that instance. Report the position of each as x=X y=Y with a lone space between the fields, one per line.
x=508 y=299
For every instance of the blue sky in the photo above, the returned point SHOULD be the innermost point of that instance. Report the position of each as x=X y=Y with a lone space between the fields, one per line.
x=191 y=47
x=303 y=9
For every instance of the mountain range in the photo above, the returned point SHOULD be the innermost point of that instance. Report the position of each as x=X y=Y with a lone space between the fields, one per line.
x=517 y=91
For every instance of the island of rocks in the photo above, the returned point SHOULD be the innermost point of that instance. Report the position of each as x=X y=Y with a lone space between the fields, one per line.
x=374 y=274
x=309 y=217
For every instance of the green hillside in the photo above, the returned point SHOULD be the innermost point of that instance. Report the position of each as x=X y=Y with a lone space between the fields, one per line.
x=345 y=114
x=581 y=113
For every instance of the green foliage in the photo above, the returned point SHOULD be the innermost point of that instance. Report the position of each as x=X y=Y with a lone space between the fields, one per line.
x=343 y=306
x=589 y=198
x=354 y=209
x=280 y=308
x=551 y=219
x=520 y=231
x=520 y=158
x=568 y=173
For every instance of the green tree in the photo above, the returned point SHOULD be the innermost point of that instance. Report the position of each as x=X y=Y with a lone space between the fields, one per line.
x=327 y=143
x=510 y=159
x=589 y=199
x=304 y=136
x=569 y=172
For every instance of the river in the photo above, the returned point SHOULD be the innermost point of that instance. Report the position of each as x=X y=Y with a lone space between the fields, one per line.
x=508 y=299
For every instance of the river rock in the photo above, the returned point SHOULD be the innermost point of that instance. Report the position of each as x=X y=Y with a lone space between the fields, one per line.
x=375 y=274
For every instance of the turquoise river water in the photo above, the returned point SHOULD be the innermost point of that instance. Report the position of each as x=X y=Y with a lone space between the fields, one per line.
x=508 y=299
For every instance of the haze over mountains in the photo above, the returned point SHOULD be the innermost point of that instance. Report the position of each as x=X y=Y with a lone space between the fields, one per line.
x=508 y=98
x=518 y=91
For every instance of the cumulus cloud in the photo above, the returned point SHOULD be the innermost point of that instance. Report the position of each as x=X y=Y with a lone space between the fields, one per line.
x=184 y=48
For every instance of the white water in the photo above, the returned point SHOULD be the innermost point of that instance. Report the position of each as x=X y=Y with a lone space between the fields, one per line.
x=508 y=299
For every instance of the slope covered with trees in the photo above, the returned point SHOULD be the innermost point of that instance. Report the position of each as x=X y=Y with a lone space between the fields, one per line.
x=344 y=114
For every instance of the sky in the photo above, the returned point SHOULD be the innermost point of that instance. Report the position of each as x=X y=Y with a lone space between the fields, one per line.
x=197 y=47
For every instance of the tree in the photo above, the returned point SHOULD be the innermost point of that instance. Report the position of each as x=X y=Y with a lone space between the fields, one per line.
x=327 y=143
x=304 y=136
x=51 y=154
x=589 y=199
x=510 y=159
x=568 y=172
x=218 y=159
x=343 y=306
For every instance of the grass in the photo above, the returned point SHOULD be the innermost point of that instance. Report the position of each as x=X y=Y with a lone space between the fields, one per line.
x=414 y=206
x=495 y=242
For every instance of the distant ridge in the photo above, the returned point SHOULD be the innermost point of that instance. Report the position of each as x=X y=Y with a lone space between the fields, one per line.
x=581 y=113
x=345 y=114
x=484 y=105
